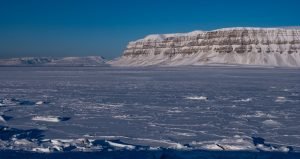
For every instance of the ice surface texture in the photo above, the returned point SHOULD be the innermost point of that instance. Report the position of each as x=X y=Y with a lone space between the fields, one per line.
x=49 y=109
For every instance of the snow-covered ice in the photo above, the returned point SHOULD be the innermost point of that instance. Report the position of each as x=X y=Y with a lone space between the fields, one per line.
x=50 y=109
x=120 y=145
x=47 y=118
x=271 y=122
x=244 y=100
x=197 y=98
x=281 y=99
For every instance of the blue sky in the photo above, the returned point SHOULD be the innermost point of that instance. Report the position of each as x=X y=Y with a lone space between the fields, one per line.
x=104 y=27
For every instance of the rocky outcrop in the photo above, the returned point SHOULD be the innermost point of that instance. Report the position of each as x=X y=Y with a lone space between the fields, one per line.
x=252 y=46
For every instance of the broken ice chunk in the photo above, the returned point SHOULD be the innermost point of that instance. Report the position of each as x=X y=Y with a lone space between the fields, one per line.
x=54 y=119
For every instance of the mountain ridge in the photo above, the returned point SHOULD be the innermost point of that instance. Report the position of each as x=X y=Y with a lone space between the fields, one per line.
x=238 y=45
x=54 y=61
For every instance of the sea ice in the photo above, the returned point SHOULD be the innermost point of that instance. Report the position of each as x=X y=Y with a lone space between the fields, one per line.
x=168 y=109
x=43 y=150
x=130 y=147
x=197 y=98
x=244 y=100
x=47 y=118
x=39 y=102
x=271 y=122
x=281 y=99
x=2 y=119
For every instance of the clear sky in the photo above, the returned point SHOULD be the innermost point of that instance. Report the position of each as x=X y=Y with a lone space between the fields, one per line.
x=104 y=27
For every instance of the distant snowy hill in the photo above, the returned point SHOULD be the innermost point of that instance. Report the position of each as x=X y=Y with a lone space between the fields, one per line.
x=49 y=61
x=79 y=61
x=242 y=46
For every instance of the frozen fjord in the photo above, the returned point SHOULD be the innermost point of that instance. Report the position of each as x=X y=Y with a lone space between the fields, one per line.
x=49 y=109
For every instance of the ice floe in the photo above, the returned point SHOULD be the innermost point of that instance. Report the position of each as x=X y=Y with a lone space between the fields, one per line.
x=271 y=122
x=2 y=119
x=178 y=146
x=237 y=143
x=54 y=119
x=174 y=111
x=121 y=116
x=231 y=144
x=118 y=145
x=184 y=134
x=24 y=142
x=44 y=150
x=271 y=148
x=8 y=102
x=197 y=98
x=281 y=99
x=262 y=146
x=21 y=102
x=244 y=100
x=40 y=102
x=152 y=143
x=259 y=114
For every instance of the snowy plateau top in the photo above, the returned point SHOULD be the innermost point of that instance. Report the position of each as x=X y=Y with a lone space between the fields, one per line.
x=240 y=45
x=161 y=37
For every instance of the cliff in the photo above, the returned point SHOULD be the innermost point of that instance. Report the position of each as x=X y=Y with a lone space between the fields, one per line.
x=245 y=46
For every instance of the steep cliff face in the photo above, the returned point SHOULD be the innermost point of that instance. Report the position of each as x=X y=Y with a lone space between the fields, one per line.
x=253 y=46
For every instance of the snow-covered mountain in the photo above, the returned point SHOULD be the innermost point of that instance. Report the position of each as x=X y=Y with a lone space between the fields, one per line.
x=250 y=46
x=79 y=61
x=49 y=61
